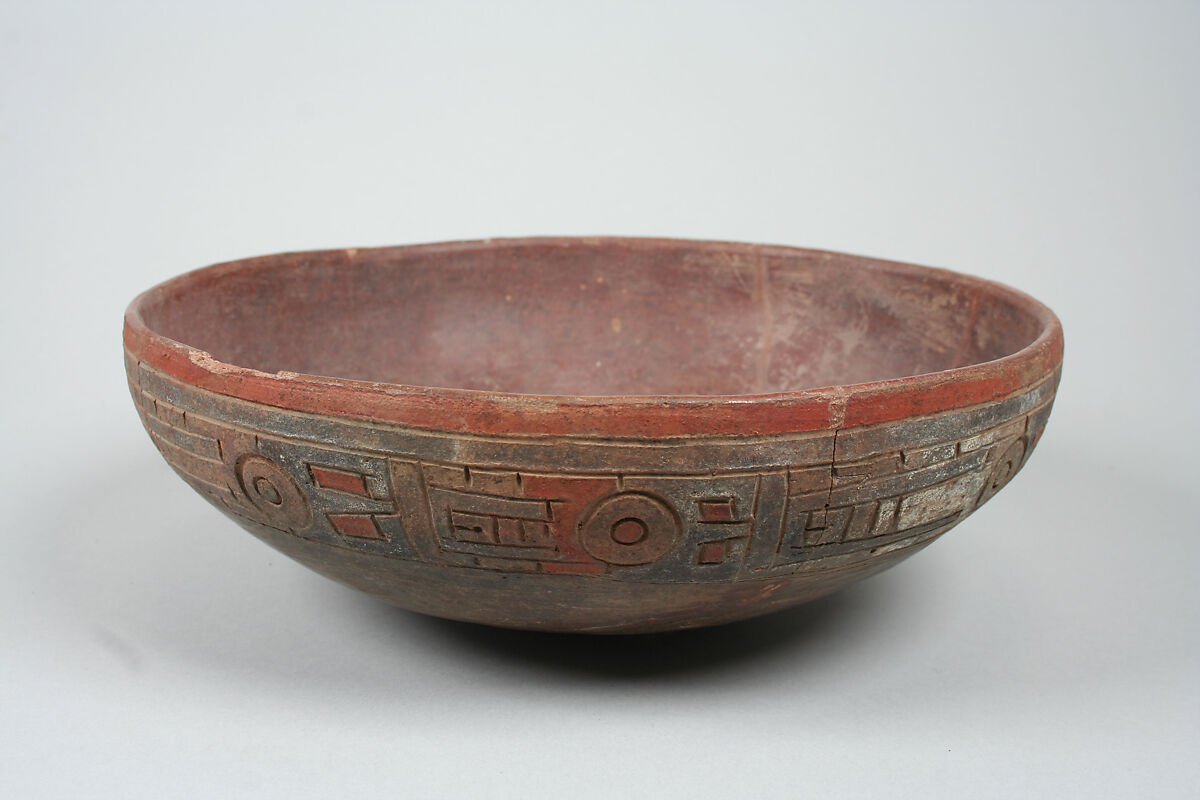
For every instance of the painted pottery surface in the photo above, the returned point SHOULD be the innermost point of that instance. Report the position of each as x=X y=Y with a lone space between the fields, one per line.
x=603 y=435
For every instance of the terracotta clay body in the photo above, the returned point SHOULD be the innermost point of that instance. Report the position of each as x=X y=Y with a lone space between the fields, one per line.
x=607 y=435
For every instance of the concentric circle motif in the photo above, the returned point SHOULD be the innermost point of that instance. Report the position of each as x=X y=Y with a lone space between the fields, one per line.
x=630 y=528
x=1007 y=466
x=273 y=492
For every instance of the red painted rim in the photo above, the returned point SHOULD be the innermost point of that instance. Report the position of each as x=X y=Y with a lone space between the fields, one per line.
x=639 y=417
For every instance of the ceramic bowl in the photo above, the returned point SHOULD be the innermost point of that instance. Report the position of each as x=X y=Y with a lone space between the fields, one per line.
x=602 y=435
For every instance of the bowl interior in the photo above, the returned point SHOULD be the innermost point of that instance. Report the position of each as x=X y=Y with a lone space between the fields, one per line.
x=584 y=318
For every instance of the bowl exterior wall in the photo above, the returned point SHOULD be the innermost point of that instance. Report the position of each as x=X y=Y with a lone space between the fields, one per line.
x=576 y=533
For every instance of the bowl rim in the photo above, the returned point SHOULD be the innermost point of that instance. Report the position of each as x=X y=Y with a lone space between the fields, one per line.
x=480 y=412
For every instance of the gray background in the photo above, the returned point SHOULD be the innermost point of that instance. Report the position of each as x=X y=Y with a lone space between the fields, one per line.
x=1047 y=646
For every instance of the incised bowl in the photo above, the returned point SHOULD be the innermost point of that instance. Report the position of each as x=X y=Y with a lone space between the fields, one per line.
x=581 y=434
